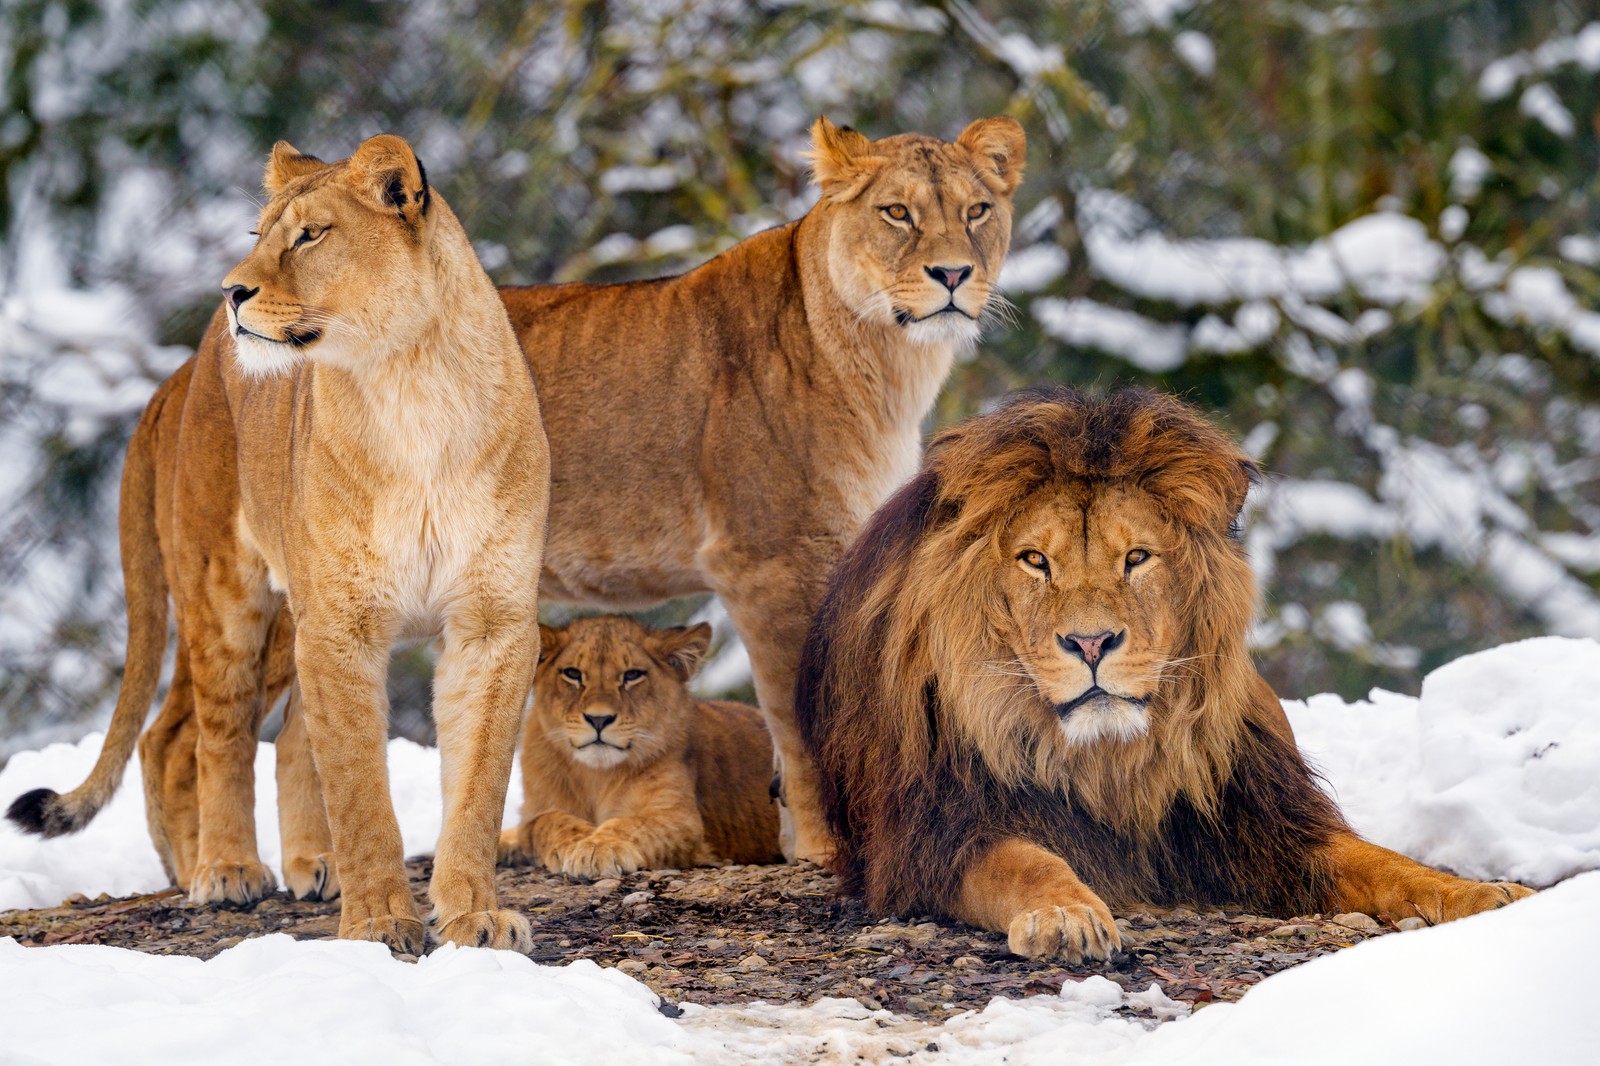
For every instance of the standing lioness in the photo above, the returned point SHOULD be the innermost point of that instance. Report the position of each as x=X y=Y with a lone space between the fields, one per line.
x=359 y=440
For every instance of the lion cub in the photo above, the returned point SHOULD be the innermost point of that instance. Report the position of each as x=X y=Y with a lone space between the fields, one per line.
x=624 y=769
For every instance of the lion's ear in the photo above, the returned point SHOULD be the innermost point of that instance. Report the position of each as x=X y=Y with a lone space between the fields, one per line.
x=1000 y=148
x=286 y=164
x=842 y=162
x=550 y=641
x=1248 y=473
x=389 y=175
x=683 y=648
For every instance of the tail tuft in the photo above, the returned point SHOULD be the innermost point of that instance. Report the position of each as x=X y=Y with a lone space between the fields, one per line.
x=42 y=812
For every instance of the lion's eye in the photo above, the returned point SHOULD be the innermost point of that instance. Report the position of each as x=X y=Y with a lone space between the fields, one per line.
x=1036 y=560
x=573 y=674
x=1135 y=557
x=977 y=211
x=897 y=212
x=309 y=234
x=630 y=676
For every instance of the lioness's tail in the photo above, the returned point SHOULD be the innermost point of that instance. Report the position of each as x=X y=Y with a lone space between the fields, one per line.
x=44 y=811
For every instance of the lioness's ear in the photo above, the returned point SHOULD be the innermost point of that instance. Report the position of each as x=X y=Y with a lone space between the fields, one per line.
x=388 y=173
x=683 y=648
x=841 y=160
x=550 y=641
x=284 y=165
x=1001 y=149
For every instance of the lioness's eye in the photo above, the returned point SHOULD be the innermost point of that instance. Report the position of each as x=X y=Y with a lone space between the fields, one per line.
x=897 y=212
x=977 y=211
x=630 y=676
x=573 y=674
x=1036 y=560
x=309 y=234
x=1135 y=557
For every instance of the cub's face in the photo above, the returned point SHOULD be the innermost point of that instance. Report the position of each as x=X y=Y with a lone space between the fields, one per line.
x=610 y=692
x=919 y=227
x=339 y=272
x=1088 y=581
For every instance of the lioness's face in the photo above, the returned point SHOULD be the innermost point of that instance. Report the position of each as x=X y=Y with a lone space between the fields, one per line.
x=610 y=692
x=919 y=227
x=339 y=272
x=1090 y=590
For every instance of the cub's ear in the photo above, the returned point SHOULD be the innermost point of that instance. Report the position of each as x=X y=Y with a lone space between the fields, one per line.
x=1001 y=149
x=284 y=165
x=551 y=640
x=683 y=648
x=842 y=162
x=389 y=175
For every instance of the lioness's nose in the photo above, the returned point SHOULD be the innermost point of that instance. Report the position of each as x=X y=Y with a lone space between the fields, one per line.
x=950 y=277
x=599 y=721
x=238 y=294
x=1091 y=649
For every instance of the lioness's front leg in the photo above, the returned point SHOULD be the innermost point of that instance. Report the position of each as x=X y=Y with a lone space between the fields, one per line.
x=480 y=685
x=342 y=673
x=1375 y=880
x=1033 y=897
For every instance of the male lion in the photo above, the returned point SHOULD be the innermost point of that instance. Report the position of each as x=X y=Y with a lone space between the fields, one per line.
x=1030 y=700
x=730 y=429
x=623 y=769
x=360 y=441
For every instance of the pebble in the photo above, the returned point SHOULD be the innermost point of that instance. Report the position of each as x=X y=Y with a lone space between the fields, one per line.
x=633 y=899
x=871 y=1002
x=718 y=979
x=884 y=934
x=1408 y=924
x=1284 y=932
x=1361 y=923
x=752 y=962
x=631 y=966
x=968 y=962
x=608 y=884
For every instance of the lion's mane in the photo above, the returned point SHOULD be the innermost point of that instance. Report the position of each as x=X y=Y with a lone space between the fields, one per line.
x=905 y=701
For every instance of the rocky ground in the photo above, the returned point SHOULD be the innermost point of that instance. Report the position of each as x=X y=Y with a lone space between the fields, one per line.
x=744 y=933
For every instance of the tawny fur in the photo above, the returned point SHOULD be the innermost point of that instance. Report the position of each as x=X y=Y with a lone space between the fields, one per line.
x=623 y=769
x=359 y=442
x=1030 y=698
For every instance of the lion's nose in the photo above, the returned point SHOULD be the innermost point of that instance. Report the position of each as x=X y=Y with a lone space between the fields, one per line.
x=236 y=295
x=950 y=277
x=1091 y=649
x=599 y=721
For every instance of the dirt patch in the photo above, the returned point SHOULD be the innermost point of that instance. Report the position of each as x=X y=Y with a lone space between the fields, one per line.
x=743 y=933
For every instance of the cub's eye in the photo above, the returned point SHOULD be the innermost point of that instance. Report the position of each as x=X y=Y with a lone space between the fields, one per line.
x=1135 y=557
x=1036 y=560
x=573 y=674
x=897 y=212
x=630 y=676
x=977 y=211
x=309 y=234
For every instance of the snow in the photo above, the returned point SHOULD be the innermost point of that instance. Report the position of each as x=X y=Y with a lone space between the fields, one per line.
x=1148 y=345
x=1491 y=772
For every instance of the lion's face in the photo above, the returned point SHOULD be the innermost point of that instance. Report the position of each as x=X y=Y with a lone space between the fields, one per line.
x=1088 y=586
x=919 y=227
x=610 y=692
x=340 y=271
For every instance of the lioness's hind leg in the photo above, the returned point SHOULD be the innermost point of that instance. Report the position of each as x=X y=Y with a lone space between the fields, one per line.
x=1375 y=880
x=310 y=870
x=167 y=765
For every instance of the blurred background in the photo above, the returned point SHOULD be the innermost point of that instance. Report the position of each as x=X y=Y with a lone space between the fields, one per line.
x=1365 y=234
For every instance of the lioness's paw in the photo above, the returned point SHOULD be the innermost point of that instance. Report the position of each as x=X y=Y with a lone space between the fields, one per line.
x=405 y=935
x=316 y=877
x=513 y=849
x=1075 y=932
x=225 y=881
x=598 y=856
x=503 y=929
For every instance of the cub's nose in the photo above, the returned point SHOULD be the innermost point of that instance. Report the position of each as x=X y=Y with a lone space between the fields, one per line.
x=599 y=721
x=950 y=277
x=1092 y=648
x=236 y=295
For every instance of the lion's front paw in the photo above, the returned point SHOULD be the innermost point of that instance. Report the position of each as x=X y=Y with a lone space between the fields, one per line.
x=1459 y=898
x=228 y=881
x=503 y=929
x=598 y=855
x=316 y=877
x=1075 y=932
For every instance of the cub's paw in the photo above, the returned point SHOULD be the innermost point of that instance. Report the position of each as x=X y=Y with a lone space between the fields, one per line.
x=1459 y=898
x=503 y=929
x=513 y=849
x=316 y=877
x=227 y=881
x=598 y=856
x=405 y=935
x=1075 y=932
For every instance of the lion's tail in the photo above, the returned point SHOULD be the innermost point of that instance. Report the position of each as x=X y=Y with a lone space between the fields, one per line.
x=43 y=810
